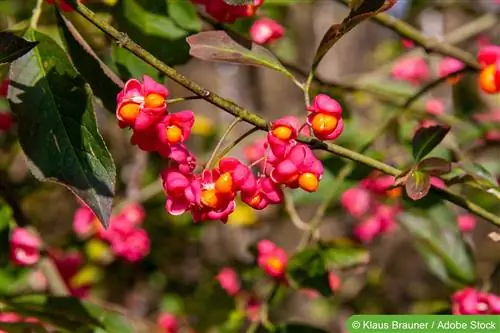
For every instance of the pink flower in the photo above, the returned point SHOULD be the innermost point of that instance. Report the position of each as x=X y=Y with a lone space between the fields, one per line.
x=229 y=281
x=266 y=192
x=168 y=323
x=175 y=127
x=85 y=222
x=127 y=241
x=414 y=70
x=6 y=121
x=469 y=301
x=434 y=106
x=438 y=182
x=252 y=308
x=266 y=30
x=272 y=260
x=488 y=55
x=65 y=7
x=134 y=213
x=4 y=87
x=325 y=117
x=334 y=281
x=180 y=157
x=215 y=205
x=449 y=66
x=492 y=135
x=356 y=201
x=255 y=150
x=183 y=191
x=466 y=222
x=224 y=12
x=68 y=264
x=407 y=43
x=486 y=117
x=298 y=168
x=235 y=176
x=283 y=132
x=24 y=247
x=367 y=230
x=140 y=105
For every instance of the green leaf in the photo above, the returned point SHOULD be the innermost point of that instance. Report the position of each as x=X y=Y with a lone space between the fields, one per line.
x=435 y=166
x=57 y=125
x=155 y=31
x=426 y=139
x=310 y=267
x=296 y=328
x=13 y=47
x=103 y=81
x=129 y=66
x=112 y=322
x=219 y=46
x=63 y=312
x=441 y=244
x=21 y=328
x=417 y=184
x=184 y=14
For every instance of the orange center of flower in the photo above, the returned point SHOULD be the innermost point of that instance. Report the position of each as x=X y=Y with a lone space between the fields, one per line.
x=209 y=198
x=282 y=132
x=487 y=79
x=255 y=200
x=154 y=101
x=224 y=184
x=394 y=193
x=174 y=134
x=454 y=79
x=308 y=182
x=129 y=112
x=324 y=123
x=275 y=264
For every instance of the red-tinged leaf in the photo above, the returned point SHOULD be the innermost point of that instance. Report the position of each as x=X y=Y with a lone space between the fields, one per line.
x=435 y=166
x=417 y=185
x=219 y=46
x=426 y=139
x=360 y=11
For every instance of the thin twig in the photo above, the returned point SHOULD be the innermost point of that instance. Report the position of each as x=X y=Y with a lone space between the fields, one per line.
x=37 y=12
x=229 y=106
x=228 y=130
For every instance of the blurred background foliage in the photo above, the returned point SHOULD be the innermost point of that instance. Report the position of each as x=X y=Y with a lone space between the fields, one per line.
x=413 y=269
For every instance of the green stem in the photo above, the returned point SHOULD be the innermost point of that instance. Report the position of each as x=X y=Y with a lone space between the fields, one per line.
x=232 y=145
x=37 y=12
x=183 y=99
x=212 y=158
x=229 y=106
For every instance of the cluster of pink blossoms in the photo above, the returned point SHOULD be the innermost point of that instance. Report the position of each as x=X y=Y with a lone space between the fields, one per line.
x=415 y=70
x=470 y=301
x=12 y=317
x=211 y=194
x=367 y=202
x=128 y=240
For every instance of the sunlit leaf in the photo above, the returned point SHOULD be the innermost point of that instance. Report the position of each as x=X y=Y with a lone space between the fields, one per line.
x=57 y=125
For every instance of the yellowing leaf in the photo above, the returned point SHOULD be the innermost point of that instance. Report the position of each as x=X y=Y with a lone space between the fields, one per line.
x=86 y=276
x=203 y=126
x=98 y=251
x=242 y=216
